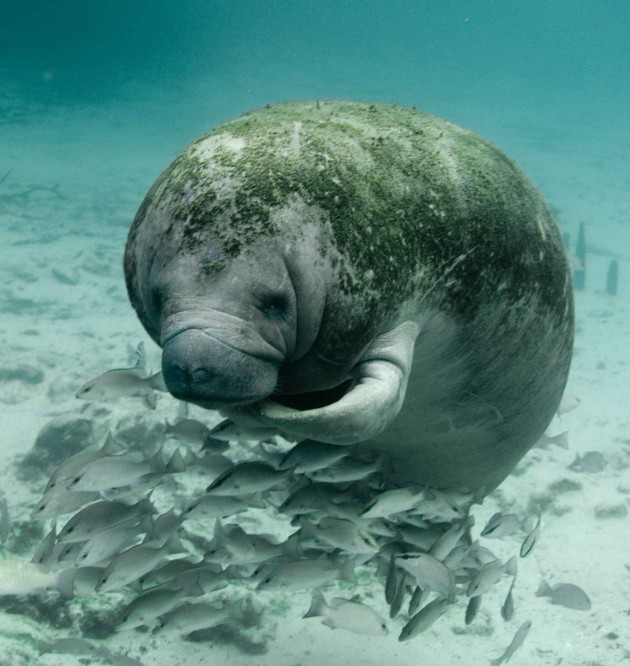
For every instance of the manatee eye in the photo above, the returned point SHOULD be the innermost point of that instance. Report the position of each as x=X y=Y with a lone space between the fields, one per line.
x=274 y=306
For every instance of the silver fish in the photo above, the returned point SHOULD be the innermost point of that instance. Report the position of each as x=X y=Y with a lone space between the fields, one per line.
x=424 y=618
x=211 y=506
x=104 y=545
x=348 y=614
x=70 y=466
x=428 y=572
x=244 y=548
x=489 y=574
x=122 y=471
x=20 y=577
x=75 y=646
x=333 y=534
x=568 y=403
x=187 y=430
x=59 y=501
x=531 y=539
x=561 y=440
x=500 y=525
x=305 y=574
x=391 y=502
x=148 y=606
x=418 y=538
x=134 y=563
x=5 y=520
x=43 y=553
x=213 y=464
x=399 y=596
x=310 y=455
x=439 y=506
x=229 y=431
x=448 y=541
x=507 y=609
x=312 y=498
x=100 y=516
x=116 y=659
x=472 y=608
x=194 y=616
x=591 y=462
x=347 y=471
x=245 y=478
x=123 y=383
x=391 y=582
x=565 y=594
x=418 y=599
x=517 y=641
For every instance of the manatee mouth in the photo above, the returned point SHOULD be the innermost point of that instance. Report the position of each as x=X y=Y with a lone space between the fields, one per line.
x=312 y=399
x=201 y=369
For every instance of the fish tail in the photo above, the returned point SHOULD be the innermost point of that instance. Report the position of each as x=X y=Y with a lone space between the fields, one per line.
x=318 y=605
x=543 y=589
x=177 y=463
x=157 y=383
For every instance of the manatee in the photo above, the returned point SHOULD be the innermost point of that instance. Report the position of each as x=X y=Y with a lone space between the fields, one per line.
x=350 y=273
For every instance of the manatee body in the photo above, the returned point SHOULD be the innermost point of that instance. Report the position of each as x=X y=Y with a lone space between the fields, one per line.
x=352 y=272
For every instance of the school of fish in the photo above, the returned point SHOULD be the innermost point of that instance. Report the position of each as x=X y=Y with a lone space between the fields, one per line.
x=340 y=512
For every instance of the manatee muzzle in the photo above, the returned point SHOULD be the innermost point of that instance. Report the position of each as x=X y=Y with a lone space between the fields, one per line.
x=200 y=368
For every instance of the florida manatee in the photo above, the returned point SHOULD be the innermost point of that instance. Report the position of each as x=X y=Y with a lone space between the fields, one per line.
x=351 y=272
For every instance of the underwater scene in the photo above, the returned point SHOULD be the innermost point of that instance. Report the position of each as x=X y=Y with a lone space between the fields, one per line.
x=315 y=331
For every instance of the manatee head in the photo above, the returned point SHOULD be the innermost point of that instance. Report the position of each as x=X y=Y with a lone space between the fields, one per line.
x=226 y=324
x=216 y=275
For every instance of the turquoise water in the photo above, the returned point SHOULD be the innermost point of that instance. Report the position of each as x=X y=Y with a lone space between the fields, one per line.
x=97 y=98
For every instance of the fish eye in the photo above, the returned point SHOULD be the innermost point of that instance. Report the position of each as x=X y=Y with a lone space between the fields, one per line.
x=75 y=480
x=69 y=530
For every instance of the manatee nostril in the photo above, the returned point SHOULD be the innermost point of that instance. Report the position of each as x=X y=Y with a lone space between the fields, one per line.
x=200 y=376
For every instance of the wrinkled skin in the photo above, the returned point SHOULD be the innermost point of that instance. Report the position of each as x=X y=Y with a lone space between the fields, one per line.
x=359 y=273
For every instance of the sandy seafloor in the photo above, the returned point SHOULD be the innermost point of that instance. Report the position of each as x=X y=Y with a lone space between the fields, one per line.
x=64 y=312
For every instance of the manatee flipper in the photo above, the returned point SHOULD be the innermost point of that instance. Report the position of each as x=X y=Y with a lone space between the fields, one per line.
x=371 y=404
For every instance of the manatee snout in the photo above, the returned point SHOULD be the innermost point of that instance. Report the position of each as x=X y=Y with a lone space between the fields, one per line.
x=200 y=368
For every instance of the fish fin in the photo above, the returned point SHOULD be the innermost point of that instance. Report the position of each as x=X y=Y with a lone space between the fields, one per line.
x=156 y=382
x=511 y=566
x=219 y=533
x=256 y=501
x=544 y=590
x=150 y=400
x=137 y=357
x=292 y=547
x=318 y=605
x=215 y=445
x=65 y=581
x=346 y=571
x=237 y=609
x=111 y=446
x=177 y=463
x=173 y=545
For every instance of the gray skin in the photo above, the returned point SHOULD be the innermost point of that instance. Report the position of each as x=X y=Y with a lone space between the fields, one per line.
x=351 y=272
